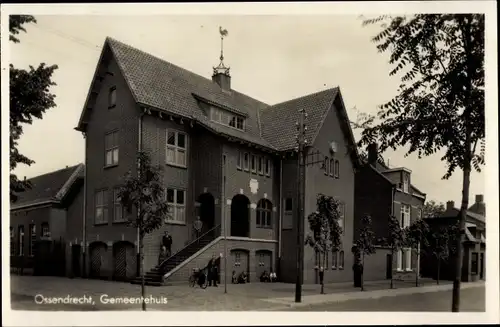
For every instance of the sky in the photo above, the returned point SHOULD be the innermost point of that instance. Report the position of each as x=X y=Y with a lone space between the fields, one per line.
x=272 y=58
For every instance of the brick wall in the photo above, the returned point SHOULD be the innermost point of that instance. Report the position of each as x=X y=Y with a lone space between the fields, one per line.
x=216 y=248
x=25 y=217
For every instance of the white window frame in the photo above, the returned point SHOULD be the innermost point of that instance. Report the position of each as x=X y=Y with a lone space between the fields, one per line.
x=332 y=166
x=32 y=239
x=176 y=149
x=260 y=165
x=408 y=256
x=117 y=207
x=103 y=206
x=228 y=119
x=337 y=169
x=405 y=215
x=264 y=210
x=267 y=168
x=403 y=265
x=253 y=163
x=406 y=183
x=239 y=161
x=237 y=259
x=246 y=161
x=177 y=211
x=21 y=240
x=112 y=150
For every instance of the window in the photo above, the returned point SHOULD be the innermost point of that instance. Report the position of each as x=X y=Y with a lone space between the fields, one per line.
x=12 y=242
x=45 y=230
x=337 y=169
x=21 y=240
x=334 y=259
x=112 y=97
x=111 y=148
x=118 y=210
x=406 y=183
x=238 y=161
x=226 y=118
x=176 y=148
x=403 y=259
x=261 y=165
x=176 y=200
x=288 y=214
x=341 y=260
x=405 y=215
x=101 y=207
x=268 y=167
x=474 y=263
x=252 y=163
x=264 y=213
x=326 y=165
x=341 y=220
x=332 y=166
x=245 y=161
x=288 y=206
x=237 y=259
x=32 y=239
x=419 y=213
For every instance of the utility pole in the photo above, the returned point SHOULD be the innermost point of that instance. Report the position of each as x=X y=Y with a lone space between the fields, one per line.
x=301 y=144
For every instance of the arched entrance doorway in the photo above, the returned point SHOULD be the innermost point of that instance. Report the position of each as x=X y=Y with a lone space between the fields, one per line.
x=124 y=261
x=207 y=211
x=240 y=216
x=97 y=256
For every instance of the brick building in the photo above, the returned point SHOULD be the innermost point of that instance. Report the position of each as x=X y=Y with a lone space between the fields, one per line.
x=380 y=192
x=474 y=265
x=228 y=159
x=50 y=210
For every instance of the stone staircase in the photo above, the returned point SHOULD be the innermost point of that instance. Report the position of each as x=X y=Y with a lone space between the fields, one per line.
x=154 y=277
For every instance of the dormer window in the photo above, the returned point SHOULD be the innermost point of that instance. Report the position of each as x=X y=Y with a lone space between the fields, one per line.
x=227 y=118
x=406 y=183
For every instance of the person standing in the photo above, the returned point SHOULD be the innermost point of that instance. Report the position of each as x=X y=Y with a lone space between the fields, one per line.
x=212 y=268
x=167 y=243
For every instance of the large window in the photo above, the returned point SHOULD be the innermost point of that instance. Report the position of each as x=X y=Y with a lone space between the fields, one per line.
x=176 y=148
x=45 y=230
x=405 y=215
x=264 y=214
x=403 y=259
x=32 y=239
x=21 y=240
x=226 y=118
x=406 y=183
x=176 y=200
x=268 y=167
x=260 y=165
x=245 y=161
x=101 y=207
x=111 y=148
x=118 y=210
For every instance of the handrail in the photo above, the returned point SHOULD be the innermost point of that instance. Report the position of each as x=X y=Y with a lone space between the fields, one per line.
x=194 y=241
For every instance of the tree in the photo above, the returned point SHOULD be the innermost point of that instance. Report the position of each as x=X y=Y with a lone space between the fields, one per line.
x=326 y=231
x=395 y=239
x=432 y=209
x=30 y=98
x=144 y=195
x=439 y=245
x=365 y=245
x=440 y=102
x=416 y=239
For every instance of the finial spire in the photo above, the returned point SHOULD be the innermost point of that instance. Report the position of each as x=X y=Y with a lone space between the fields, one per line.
x=221 y=68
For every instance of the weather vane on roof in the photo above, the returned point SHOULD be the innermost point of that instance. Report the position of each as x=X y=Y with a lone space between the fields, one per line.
x=221 y=68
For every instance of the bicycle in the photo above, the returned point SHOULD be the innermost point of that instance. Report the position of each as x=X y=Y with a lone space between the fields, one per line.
x=198 y=277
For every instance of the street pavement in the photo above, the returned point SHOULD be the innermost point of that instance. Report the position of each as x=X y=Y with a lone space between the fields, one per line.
x=248 y=297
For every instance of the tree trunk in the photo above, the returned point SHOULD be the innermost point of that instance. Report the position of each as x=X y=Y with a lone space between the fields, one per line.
x=362 y=271
x=392 y=260
x=438 y=269
x=143 y=286
x=417 y=253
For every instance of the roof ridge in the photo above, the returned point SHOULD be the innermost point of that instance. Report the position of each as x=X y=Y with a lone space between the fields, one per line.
x=56 y=171
x=303 y=96
x=108 y=38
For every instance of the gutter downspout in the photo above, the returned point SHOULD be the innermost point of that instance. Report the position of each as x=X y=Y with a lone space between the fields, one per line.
x=84 y=236
x=280 y=218
x=139 y=148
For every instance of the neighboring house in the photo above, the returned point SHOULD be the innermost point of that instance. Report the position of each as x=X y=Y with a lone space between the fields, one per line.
x=381 y=191
x=228 y=159
x=474 y=265
x=44 y=212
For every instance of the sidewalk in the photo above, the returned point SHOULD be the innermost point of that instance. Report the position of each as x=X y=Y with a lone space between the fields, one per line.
x=248 y=297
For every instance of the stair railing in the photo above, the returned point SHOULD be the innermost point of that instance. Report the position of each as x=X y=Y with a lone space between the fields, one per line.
x=160 y=266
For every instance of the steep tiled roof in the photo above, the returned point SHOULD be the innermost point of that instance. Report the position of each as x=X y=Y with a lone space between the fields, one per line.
x=157 y=83
x=453 y=212
x=48 y=187
x=278 y=121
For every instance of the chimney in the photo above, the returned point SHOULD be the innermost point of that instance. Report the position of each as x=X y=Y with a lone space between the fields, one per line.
x=223 y=79
x=450 y=205
x=479 y=198
x=25 y=178
x=372 y=153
